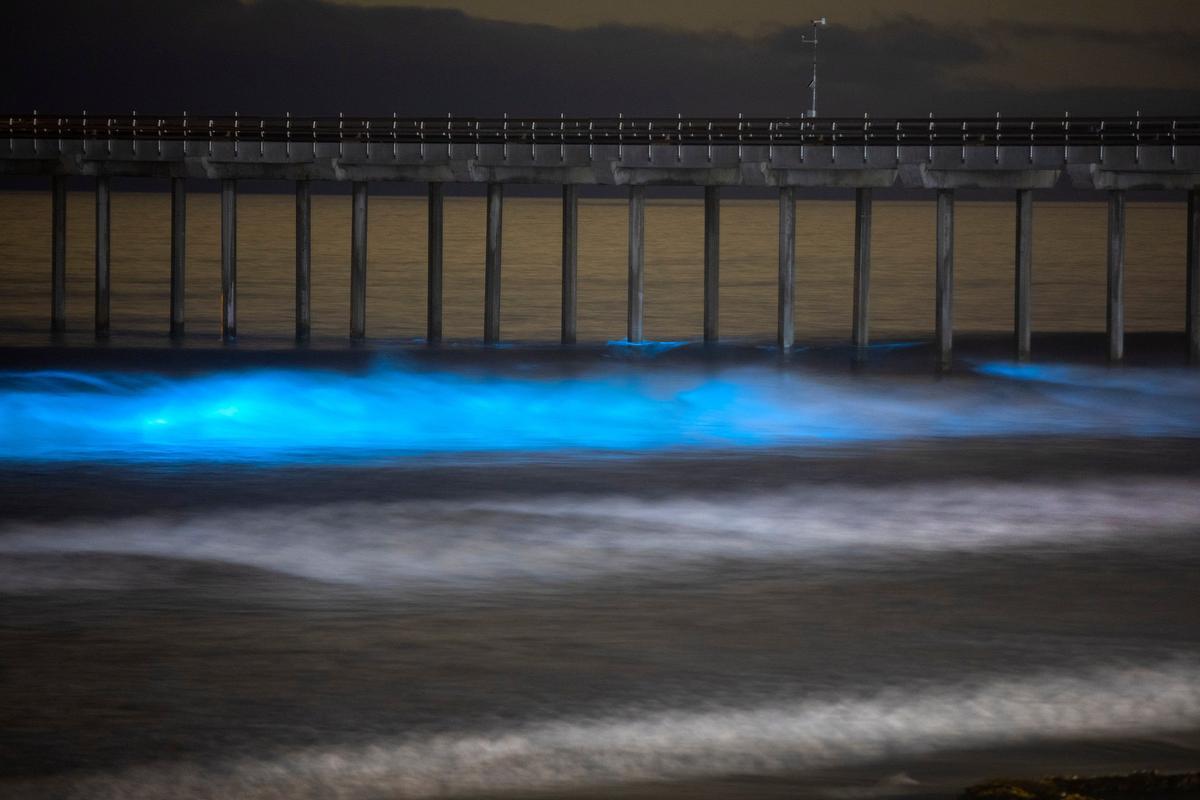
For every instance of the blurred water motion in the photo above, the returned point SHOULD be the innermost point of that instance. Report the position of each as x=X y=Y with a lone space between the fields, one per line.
x=396 y=410
x=620 y=569
x=608 y=571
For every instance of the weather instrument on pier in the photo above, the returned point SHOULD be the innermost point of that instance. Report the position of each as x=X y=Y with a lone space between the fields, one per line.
x=812 y=40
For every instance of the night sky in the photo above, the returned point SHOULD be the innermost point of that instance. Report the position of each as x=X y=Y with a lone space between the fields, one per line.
x=543 y=57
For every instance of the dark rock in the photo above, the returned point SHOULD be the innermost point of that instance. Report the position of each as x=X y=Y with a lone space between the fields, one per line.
x=1135 y=786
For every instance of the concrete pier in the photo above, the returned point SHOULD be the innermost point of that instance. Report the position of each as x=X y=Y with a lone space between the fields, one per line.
x=1022 y=154
x=358 y=261
x=228 y=259
x=1023 y=280
x=944 y=327
x=491 y=277
x=178 y=257
x=570 y=262
x=1115 y=325
x=58 y=256
x=1193 y=275
x=434 y=218
x=637 y=262
x=712 y=264
x=103 y=255
x=861 y=336
x=786 y=328
x=303 y=314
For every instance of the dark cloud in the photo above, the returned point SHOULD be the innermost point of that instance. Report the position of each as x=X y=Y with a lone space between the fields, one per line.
x=313 y=57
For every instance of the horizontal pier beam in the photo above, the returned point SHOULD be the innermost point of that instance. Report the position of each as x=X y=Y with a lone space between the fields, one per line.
x=753 y=169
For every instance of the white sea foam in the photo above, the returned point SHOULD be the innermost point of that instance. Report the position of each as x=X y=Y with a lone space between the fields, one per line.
x=654 y=746
x=481 y=543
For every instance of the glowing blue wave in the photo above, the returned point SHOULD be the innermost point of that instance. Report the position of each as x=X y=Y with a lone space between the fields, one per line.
x=271 y=415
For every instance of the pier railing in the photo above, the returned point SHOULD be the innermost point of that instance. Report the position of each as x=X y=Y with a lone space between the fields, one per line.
x=998 y=131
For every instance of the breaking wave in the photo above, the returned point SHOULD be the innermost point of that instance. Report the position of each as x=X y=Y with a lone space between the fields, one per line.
x=785 y=738
x=480 y=543
x=281 y=416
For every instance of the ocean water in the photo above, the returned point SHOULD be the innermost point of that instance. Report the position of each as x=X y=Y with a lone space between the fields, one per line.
x=397 y=571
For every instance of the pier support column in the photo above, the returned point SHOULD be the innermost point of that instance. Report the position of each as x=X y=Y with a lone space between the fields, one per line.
x=433 y=243
x=58 y=255
x=570 y=262
x=1023 y=281
x=103 y=255
x=787 y=268
x=637 y=262
x=303 y=260
x=228 y=259
x=358 y=261
x=1116 y=275
x=178 y=262
x=945 y=277
x=491 y=276
x=1193 y=276
x=862 y=270
x=712 y=264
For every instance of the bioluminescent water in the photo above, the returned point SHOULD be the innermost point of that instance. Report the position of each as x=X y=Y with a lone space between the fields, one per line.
x=398 y=410
x=588 y=574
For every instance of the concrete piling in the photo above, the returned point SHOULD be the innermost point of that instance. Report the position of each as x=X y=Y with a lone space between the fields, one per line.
x=303 y=314
x=178 y=259
x=570 y=262
x=58 y=255
x=712 y=264
x=1115 y=318
x=1023 y=281
x=103 y=255
x=434 y=217
x=1193 y=276
x=228 y=259
x=637 y=262
x=358 y=261
x=944 y=325
x=786 y=329
x=491 y=278
x=862 y=270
